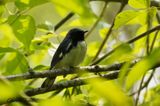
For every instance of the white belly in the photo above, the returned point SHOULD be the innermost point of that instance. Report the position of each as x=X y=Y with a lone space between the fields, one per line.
x=74 y=57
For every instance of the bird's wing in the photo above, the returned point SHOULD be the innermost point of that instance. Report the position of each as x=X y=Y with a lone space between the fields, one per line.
x=63 y=48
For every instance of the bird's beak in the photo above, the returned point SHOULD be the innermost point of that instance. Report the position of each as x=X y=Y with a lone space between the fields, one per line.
x=85 y=31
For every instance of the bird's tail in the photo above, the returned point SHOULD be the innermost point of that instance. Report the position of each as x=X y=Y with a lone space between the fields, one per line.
x=48 y=82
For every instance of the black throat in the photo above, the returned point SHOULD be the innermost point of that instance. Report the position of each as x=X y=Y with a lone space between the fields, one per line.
x=77 y=39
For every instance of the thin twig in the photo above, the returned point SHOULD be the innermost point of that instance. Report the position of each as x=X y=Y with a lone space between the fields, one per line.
x=139 y=90
x=156 y=34
x=145 y=84
x=60 y=23
x=147 y=53
x=154 y=39
x=108 y=34
x=129 y=41
x=98 y=19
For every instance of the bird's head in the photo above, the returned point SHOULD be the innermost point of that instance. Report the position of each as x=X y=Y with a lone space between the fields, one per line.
x=76 y=34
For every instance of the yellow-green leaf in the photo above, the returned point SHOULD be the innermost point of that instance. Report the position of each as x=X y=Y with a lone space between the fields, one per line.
x=124 y=17
x=111 y=92
x=25 y=4
x=121 y=54
x=80 y=7
x=139 y=3
x=24 y=28
x=7 y=91
x=92 y=48
x=103 y=32
x=142 y=67
x=6 y=35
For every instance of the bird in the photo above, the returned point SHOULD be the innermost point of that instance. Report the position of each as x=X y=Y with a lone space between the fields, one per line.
x=70 y=53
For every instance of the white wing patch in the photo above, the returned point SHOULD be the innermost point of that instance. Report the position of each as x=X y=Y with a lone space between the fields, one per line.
x=60 y=55
x=70 y=43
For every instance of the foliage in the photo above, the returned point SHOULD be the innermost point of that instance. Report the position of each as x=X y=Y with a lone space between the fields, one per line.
x=29 y=39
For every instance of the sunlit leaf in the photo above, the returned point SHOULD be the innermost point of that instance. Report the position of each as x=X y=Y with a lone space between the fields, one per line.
x=76 y=22
x=124 y=17
x=121 y=54
x=7 y=91
x=141 y=68
x=16 y=64
x=1 y=9
x=139 y=3
x=42 y=56
x=92 y=48
x=6 y=35
x=5 y=50
x=48 y=26
x=103 y=32
x=41 y=67
x=41 y=42
x=152 y=96
x=123 y=72
x=24 y=28
x=62 y=11
x=134 y=17
x=57 y=101
x=25 y=4
x=77 y=6
x=111 y=92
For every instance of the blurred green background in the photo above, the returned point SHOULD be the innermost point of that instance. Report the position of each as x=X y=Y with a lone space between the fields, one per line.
x=30 y=33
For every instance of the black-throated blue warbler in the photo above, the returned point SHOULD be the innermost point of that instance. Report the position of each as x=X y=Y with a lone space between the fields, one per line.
x=70 y=53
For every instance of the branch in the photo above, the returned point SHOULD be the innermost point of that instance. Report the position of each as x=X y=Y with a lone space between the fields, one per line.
x=59 y=72
x=129 y=41
x=62 y=85
x=59 y=24
x=70 y=83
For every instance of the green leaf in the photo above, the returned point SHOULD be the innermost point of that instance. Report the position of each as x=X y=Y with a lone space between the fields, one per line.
x=139 y=3
x=24 y=28
x=124 y=17
x=25 y=4
x=134 y=17
x=7 y=35
x=56 y=101
x=7 y=91
x=41 y=42
x=16 y=64
x=123 y=72
x=62 y=11
x=41 y=67
x=121 y=54
x=80 y=7
x=7 y=49
x=1 y=10
x=111 y=92
x=92 y=48
x=141 y=68
x=103 y=32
